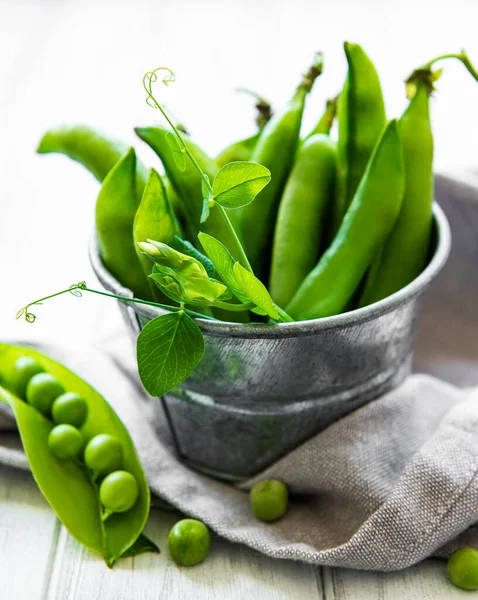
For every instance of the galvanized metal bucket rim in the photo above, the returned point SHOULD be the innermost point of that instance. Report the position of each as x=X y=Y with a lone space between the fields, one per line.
x=300 y=328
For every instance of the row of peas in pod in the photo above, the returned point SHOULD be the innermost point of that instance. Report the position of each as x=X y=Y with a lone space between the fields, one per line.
x=342 y=222
x=102 y=454
x=79 y=451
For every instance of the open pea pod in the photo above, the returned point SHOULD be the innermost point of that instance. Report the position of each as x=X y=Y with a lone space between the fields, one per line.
x=66 y=485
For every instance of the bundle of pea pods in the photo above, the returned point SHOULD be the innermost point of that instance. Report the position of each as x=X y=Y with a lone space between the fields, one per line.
x=339 y=225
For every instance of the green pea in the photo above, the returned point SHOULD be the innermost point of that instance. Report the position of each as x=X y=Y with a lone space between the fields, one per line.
x=188 y=542
x=65 y=441
x=23 y=370
x=269 y=499
x=42 y=390
x=69 y=408
x=463 y=568
x=118 y=492
x=104 y=454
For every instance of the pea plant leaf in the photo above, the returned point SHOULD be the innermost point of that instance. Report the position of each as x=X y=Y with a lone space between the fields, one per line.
x=187 y=248
x=255 y=291
x=224 y=263
x=238 y=183
x=168 y=350
x=178 y=154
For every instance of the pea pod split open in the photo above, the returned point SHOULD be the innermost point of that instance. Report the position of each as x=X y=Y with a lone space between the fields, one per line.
x=366 y=225
x=67 y=485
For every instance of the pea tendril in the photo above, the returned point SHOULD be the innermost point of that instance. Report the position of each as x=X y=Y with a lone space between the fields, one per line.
x=78 y=289
x=148 y=80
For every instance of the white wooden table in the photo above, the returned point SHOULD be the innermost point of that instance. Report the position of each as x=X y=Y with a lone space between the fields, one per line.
x=40 y=561
x=67 y=60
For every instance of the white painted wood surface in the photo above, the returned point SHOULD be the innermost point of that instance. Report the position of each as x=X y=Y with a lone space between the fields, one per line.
x=40 y=561
x=72 y=60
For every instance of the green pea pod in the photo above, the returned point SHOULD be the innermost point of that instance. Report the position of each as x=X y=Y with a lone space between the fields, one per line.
x=367 y=224
x=275 y=150
x=241 y=150
x=174 y=200
x=302 y=213
x=324 y=124
x=154 y=220
x=92 y=149
x=361 y=118
x=187 y=183
x=405 y=253
x=67 y=485
x=115 y=212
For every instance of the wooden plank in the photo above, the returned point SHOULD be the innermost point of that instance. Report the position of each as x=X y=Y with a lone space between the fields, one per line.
x=230 y=572
x=426 y=581
x=28 y=536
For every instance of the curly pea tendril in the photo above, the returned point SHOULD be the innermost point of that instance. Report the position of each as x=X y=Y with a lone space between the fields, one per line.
x=181 y=148
x=77 y=291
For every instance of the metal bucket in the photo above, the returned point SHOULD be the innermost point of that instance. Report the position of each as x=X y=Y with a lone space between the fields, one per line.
x=260 y=390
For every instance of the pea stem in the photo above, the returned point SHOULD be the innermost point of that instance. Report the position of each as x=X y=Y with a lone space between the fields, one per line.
x=150 y=78
x=240 y=250
x=234 y=307
x=285 y=317
x=462 y=57
x=77 y=290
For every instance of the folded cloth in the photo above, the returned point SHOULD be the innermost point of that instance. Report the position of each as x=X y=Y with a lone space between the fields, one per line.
x=383 y=488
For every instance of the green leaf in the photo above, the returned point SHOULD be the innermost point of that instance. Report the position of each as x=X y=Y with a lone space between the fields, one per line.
x=178 y=154
x=141 y=545
x=66 y=485
x=255 y=290
x=169 y=348
x=238 y=183
x=187 y=248
x=224 y=263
